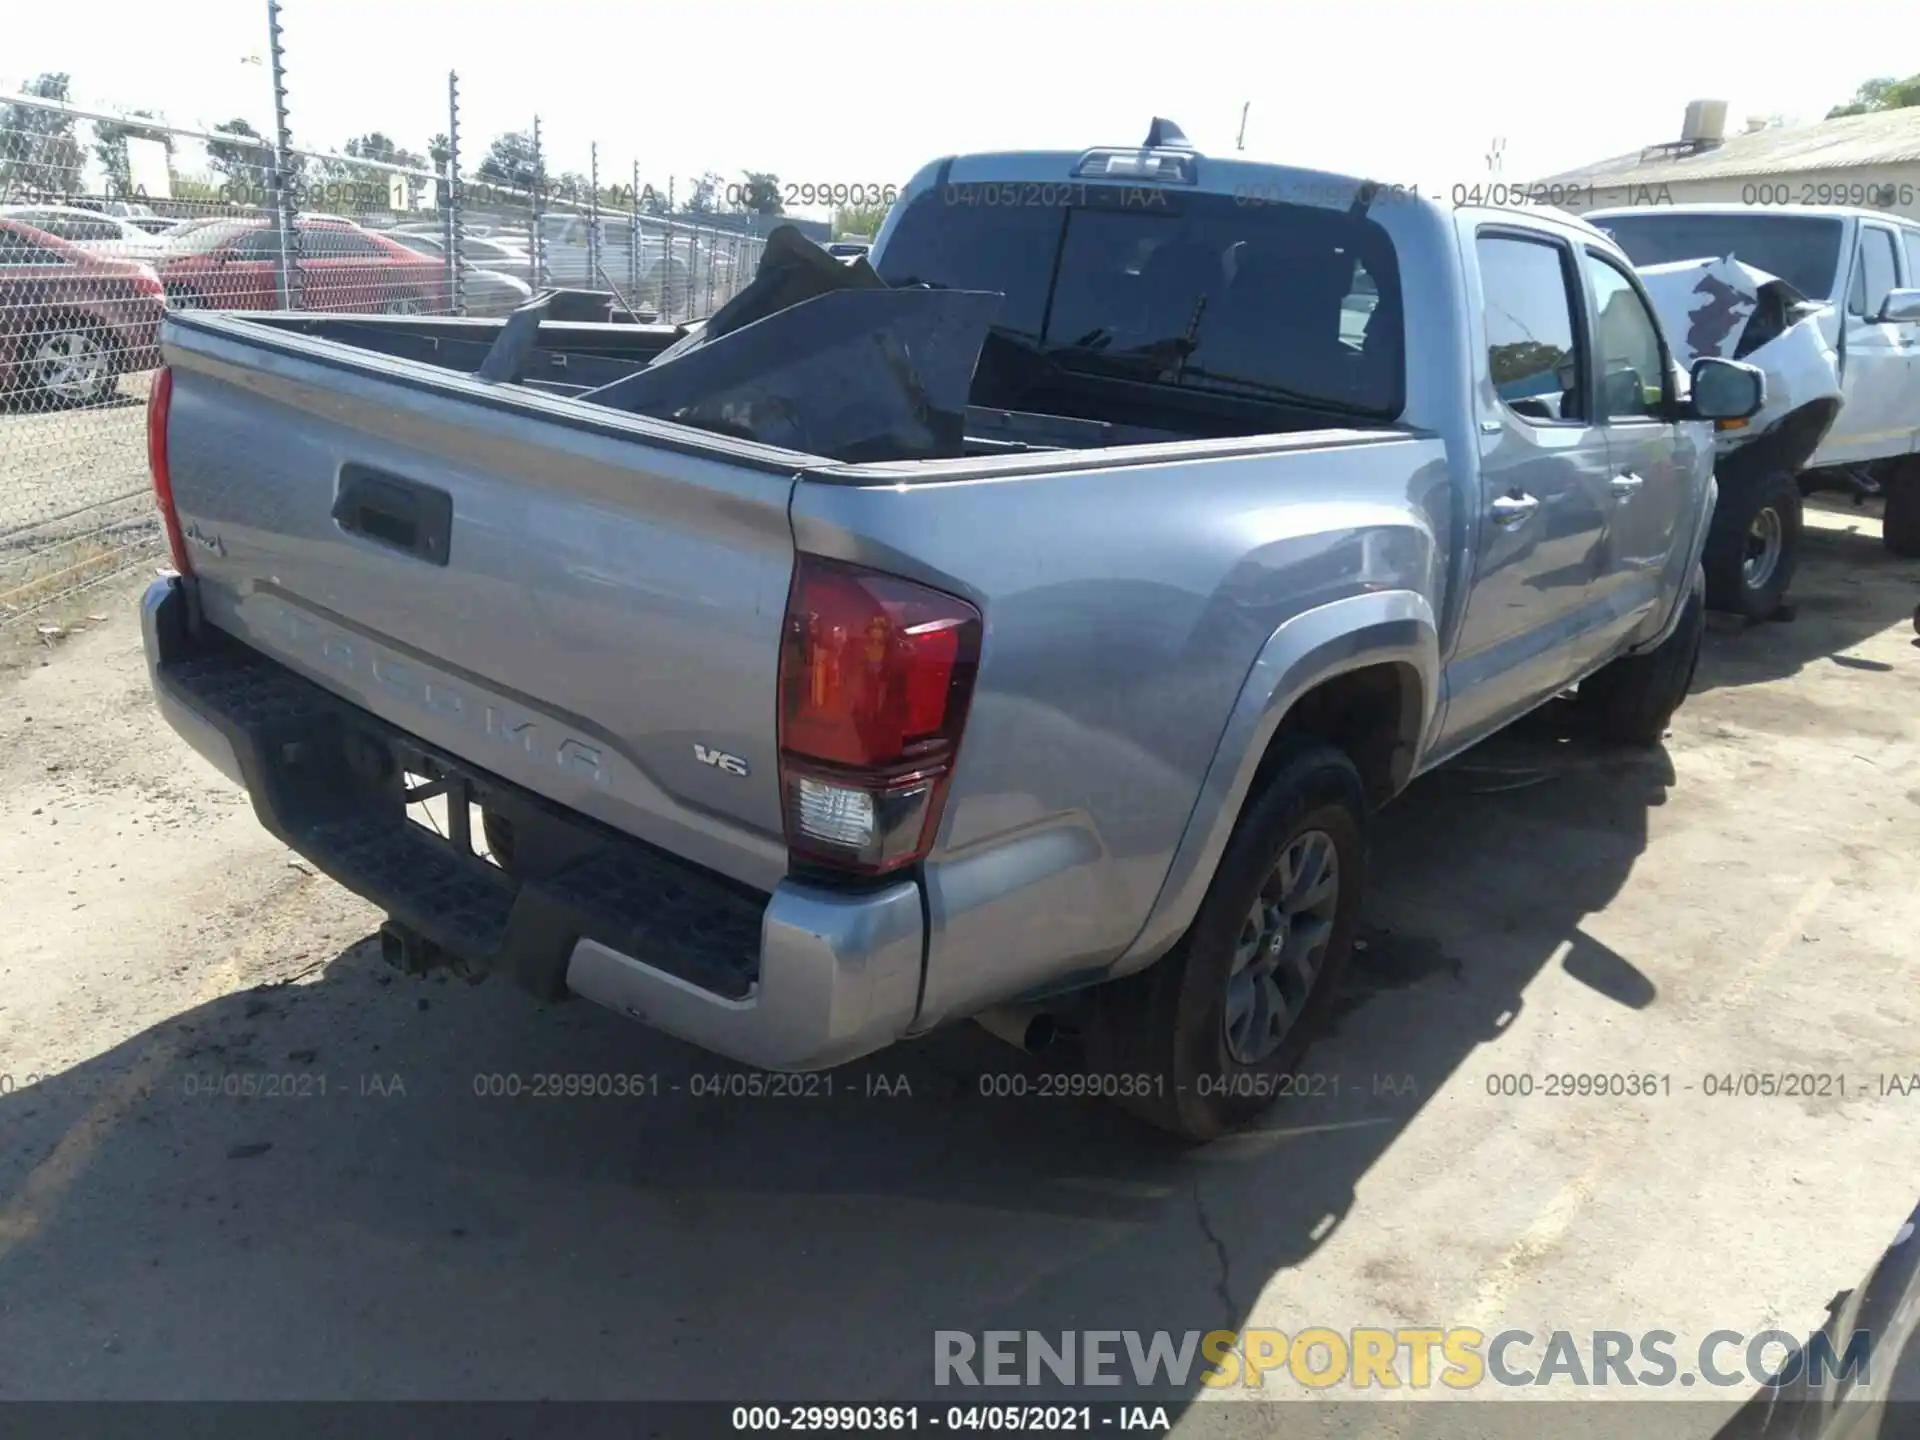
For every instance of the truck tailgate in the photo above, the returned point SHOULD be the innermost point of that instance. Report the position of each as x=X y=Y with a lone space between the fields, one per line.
x=569 y=598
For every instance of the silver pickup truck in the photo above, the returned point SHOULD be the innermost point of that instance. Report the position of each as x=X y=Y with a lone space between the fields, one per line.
x=1027 y=622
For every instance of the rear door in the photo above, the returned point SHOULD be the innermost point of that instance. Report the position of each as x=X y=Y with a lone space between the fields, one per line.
x=1651 y=459
x=1876 y=419
x=1535 y=617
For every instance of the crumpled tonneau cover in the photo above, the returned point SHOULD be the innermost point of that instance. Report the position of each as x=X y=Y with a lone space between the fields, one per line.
x=824 y=357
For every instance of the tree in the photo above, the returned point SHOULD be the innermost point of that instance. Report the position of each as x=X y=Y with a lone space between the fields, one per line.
x=510 y=161
x=1885 y=93
x=705 y=199
x=38 y=152
x=863 y=220
x=761 y=194
x=110 y=148
x=654 y=202
x=376 y=146
x=571 y=185
x=439 y=150
x=243 y=167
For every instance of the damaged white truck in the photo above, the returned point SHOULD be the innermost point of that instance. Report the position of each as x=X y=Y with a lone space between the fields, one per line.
x=1766 y=286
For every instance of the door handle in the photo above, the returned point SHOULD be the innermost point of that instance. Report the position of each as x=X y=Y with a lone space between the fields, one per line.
x=405 y=515
x=1625 y=486
x=1512 y=509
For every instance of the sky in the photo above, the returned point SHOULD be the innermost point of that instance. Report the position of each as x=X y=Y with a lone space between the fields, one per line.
x=856 y=92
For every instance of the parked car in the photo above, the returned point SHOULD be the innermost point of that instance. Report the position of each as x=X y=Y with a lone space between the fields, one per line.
x=72 y=320
x=1035 y=622
x=233 y=265
x=1819 y=282
x=132 y=211
x=494 y=290
x=102 y=234
x=677 y=268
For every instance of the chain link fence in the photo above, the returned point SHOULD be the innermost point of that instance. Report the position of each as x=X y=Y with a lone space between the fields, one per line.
x=109 y=220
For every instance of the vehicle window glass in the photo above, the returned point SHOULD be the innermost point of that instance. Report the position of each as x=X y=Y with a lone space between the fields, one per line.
x=1532 y=351
x=1278 y=298
x=1632 y=366
x=1803 y=250
x=17 y=249
x=326 y=242
x=71 y=227
x=1287 y=303
x=1913 y=258
x=1876 y=273
x=1006 y=249
x=262 y=243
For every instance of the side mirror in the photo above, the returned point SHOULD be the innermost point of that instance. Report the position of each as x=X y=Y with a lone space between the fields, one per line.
x=1902 y=307
x=1726 y=389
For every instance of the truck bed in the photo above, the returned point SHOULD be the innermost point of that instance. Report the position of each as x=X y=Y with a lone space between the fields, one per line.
x=582 y=360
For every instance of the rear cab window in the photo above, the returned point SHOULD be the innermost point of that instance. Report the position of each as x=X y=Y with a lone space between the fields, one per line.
x=1190 y=292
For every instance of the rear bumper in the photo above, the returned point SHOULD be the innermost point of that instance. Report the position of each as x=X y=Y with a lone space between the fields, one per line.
x=798 y=980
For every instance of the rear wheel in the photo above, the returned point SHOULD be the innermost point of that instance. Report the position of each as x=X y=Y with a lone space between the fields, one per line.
x=1753 y=545
x=1900 y=520
x=1201 y=1041
x=71 y=363
x=1632 y=701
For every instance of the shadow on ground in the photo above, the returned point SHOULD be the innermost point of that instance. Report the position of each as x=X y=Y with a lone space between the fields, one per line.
x=1848 y=588
x=370 y=1222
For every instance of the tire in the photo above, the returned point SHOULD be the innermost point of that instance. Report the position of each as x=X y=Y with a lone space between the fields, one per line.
x=1900 y=520
x=1753 y=545
x=1188 y=1035
x=1632 y=700
x=71 y=363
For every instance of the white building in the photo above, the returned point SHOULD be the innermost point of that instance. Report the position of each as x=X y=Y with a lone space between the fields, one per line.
x=1863 y=160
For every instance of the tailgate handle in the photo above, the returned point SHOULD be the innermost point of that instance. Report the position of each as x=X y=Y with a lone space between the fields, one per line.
x=404 y=515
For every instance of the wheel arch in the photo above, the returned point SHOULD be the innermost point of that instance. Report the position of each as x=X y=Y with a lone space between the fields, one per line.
x=1362 y=673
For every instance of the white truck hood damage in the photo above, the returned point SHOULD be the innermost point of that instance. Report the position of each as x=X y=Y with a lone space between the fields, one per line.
x=1705 y=307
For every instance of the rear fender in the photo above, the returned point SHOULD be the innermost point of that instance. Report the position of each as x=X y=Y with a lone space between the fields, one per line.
x=1378 y=627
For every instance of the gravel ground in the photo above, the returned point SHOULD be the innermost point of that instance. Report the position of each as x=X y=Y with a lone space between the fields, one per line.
x=1742 y=901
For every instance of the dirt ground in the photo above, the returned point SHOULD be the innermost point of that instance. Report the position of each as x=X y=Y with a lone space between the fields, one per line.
x=1743 y=901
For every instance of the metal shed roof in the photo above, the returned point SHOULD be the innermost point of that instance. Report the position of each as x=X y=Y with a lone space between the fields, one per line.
x=1886 y=137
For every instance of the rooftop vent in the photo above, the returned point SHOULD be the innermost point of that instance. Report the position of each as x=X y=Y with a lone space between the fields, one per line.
x=1705 y=125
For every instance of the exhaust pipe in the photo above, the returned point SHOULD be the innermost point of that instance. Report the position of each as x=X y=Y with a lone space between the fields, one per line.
x=1025 y=1027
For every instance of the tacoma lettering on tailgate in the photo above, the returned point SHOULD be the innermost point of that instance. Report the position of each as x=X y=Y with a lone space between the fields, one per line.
x=332 y=648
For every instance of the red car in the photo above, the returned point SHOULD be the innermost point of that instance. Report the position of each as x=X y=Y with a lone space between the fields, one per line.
x=231 y=265
x=72 y=320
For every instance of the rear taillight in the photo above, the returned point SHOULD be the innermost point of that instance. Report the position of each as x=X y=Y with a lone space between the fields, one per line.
x=159 y=406
x=875 y=676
